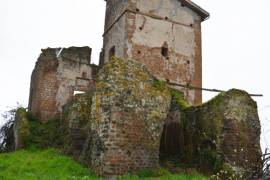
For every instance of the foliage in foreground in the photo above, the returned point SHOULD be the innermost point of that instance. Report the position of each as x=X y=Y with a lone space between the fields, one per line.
x=51 y=164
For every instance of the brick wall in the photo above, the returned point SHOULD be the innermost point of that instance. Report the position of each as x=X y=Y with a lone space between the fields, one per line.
x=57 y=74
x=163 y=35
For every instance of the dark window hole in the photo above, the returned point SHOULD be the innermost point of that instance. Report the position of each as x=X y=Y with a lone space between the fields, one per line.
x=165 y=52
x=112 y=52
x=129 y=153
x=84 y=75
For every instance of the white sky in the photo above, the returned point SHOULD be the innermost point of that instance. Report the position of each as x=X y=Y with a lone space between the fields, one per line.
x=235 y=43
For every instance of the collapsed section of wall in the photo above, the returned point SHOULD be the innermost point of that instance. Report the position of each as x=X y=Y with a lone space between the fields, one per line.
x=221 y=136
x=57 y=74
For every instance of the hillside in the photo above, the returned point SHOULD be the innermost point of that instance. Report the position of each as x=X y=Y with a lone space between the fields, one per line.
x=51 y=164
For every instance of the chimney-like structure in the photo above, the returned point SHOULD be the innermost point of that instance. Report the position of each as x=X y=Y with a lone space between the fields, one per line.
x=163 y=35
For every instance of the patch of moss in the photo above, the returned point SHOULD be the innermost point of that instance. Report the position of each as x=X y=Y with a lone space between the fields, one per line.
x=179 y=98
x=81 y=105
x=160 y=85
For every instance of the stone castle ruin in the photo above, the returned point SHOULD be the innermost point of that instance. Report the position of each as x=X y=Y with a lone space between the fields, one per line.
x=129 y=118
x=58 y=73
x=163 y=35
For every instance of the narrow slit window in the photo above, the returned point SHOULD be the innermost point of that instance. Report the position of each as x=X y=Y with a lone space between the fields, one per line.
x=112 y=52
x=84 y=75
x=165 y=52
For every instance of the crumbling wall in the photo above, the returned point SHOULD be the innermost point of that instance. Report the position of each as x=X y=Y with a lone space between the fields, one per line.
x=133 y=121
x=76 y=122
x=57 y=74
x=219 y=137
x=163 y=35
x=127 y=117
x=44 y=85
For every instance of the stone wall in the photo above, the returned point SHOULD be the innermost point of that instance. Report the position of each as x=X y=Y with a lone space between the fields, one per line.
x=134 y=121
x=163 y=35
x=127 y=117
x=221 y=136
x=76 y=122
x=118 y=128
x=57 y=74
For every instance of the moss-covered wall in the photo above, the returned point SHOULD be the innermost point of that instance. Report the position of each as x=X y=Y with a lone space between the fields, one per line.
x=220 y=136
x=29 y=131
x=77 y=120
x=128 y=114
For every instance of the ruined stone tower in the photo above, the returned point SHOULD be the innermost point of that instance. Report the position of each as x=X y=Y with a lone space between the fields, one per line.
x=57 y=74
x=165 y=35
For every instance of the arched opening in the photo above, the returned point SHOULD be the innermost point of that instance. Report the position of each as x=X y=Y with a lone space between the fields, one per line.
x=172 y=139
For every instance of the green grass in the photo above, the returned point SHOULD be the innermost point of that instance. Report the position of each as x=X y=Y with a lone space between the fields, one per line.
x=46 y=164
x=52 y=165
x=165 y=177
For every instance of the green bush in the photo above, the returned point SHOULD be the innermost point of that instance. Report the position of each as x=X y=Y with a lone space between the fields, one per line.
x=44 y=135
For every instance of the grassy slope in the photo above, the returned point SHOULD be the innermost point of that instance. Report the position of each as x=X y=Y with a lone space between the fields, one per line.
x=50 y=164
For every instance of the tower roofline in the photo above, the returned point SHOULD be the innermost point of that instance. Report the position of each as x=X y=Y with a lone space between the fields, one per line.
x=196 y=8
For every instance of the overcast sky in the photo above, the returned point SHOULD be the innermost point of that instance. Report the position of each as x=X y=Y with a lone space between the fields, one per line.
x=235 y=43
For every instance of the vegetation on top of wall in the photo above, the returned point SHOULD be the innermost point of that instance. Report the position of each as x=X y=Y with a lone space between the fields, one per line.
x=178 y=96
x=160 y=85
